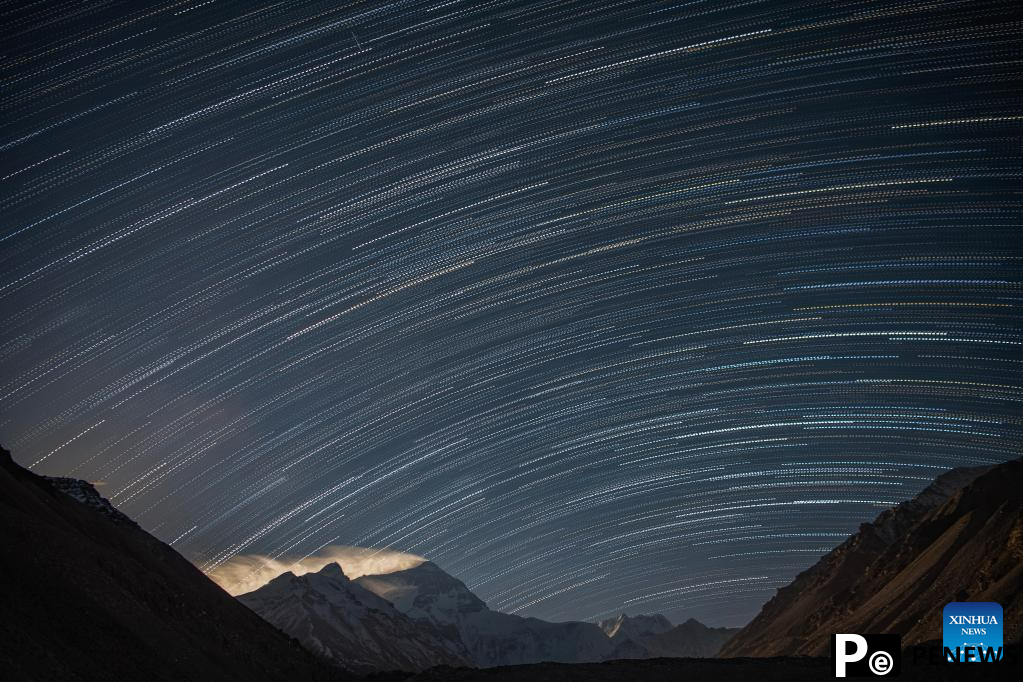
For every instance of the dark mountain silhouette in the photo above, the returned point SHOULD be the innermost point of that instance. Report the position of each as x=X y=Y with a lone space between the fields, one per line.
x=961 y=539
x=623 y=627
x=88 y=595
x=691 y=639
x=653 y=636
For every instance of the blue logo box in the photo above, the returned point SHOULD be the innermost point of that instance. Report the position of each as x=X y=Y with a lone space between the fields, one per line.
x=976 y=624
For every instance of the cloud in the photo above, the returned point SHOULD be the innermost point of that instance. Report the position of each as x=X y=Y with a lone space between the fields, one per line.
x=247 y=572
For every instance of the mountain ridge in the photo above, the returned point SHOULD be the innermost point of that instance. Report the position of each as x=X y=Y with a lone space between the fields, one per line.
x=426 y=593
x=346 y=623
x=654 y=636
x=960 y=539
x=128 y=606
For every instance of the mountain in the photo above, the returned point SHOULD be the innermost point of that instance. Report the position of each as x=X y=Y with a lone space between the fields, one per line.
x=344 y=622
x=429 y=595
x=691 y=639
x=623 y=627
x=961 y=539
x=655 y=637
x=488 y=638
x=88 y=595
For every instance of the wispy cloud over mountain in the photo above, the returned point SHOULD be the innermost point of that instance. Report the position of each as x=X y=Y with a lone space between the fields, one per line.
x=248 y=572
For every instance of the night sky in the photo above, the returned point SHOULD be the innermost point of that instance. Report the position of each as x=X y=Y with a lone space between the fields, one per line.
x=613 y=306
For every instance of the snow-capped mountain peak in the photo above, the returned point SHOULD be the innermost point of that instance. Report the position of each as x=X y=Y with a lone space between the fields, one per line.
x=343 y=621
x=423 y=616
x=427 y=594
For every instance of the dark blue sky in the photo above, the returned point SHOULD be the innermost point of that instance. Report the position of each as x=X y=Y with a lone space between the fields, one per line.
x=601 y=306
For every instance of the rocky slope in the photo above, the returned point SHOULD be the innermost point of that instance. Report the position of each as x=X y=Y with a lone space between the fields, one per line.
x=341 y=620
x=88 y=595
x=959 y=540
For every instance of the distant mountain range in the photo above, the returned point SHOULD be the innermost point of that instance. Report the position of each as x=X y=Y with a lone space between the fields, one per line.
x=961 y=539
x=91 y=596
x=655 y=637
x=88 y=595
x=420 y=617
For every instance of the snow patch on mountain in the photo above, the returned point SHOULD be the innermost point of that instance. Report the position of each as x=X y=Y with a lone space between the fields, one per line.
x=86 y=493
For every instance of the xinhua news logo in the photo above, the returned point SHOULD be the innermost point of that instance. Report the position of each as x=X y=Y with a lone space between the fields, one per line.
x=971 y=632
x=866 y=655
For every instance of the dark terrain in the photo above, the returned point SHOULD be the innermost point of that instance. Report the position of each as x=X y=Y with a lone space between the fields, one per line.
x=88 y=595
x=961 y=539
x=783 y=669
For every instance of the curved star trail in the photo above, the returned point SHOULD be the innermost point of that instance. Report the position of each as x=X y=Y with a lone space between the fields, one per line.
x=601 y=306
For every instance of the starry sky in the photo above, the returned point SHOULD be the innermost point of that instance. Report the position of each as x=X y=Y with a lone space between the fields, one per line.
x=602 y=306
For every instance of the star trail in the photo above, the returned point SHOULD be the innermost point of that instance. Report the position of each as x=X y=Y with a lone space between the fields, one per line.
x=600 y=306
